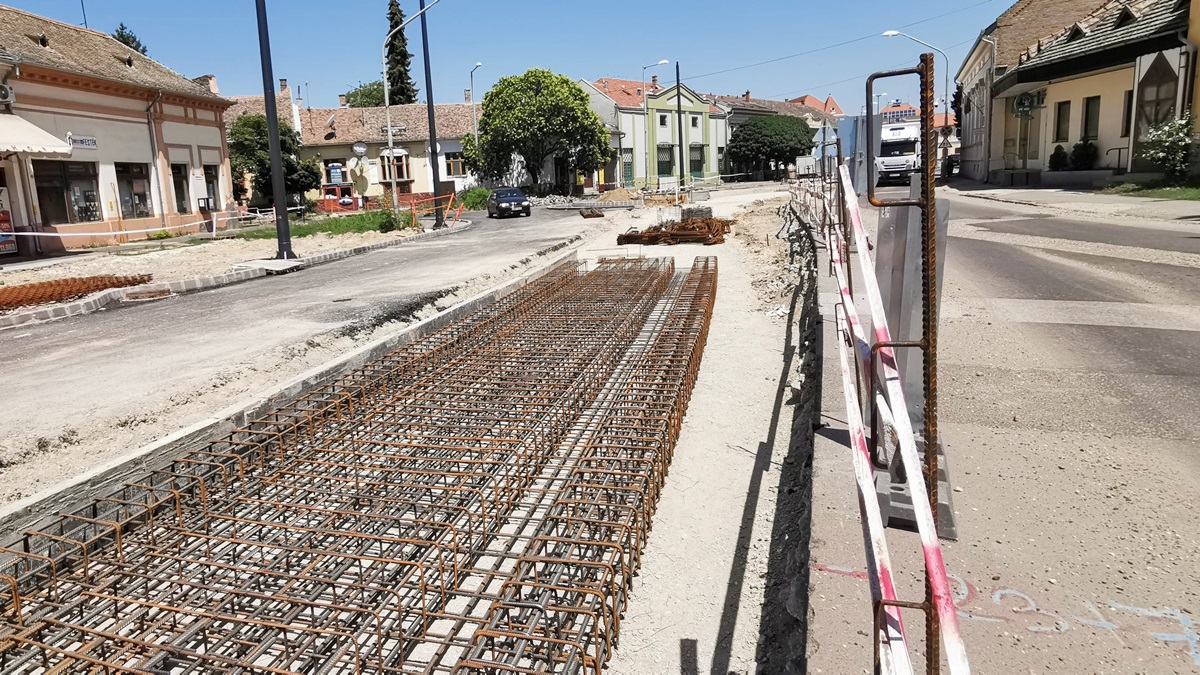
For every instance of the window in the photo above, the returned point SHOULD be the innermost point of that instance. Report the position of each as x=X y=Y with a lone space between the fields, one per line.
x=662 y=121
x=401 y=165
x=695 y=121
x=1157 y=96
x=455 y=165
x=133 y=186
x=627 y=166
x=696 y=160
x=67 y=191
x=666 y=160
x=335 y=171
x=212 y=177
x=1127 y=113
x=1062 y=121
x=720 y=159
x=1091 y=118
x=179 y=179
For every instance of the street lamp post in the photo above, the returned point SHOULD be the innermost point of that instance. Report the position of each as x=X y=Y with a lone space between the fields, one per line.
x=283 y=232
x=945 y=77
x=877 y=97
x=387 y=100
x=646 y=118
x=474 y=117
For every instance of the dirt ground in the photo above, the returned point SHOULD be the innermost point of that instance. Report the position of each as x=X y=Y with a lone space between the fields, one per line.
x=187 y=261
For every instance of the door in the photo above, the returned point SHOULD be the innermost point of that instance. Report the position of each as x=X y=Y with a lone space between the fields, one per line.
x=627 y=166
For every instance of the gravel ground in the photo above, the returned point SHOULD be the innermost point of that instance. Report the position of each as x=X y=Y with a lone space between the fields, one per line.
x=188 y=261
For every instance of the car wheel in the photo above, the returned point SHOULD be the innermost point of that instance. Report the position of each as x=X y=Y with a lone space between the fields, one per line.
x=526 y=213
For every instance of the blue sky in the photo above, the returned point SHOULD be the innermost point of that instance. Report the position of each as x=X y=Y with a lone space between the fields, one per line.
x=334 y=45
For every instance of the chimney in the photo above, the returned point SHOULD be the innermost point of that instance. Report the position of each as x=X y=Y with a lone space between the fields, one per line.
x=341 y=100
x=605 y=83
x=653 y=82
x=466 y=95
x=746 y=96
x=639 y=91
x=282 y=84
x=209 y=81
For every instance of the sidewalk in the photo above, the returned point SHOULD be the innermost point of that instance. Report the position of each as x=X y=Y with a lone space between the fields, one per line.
x=1082 y=202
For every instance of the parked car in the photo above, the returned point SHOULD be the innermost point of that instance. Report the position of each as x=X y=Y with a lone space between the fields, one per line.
x=507 y=201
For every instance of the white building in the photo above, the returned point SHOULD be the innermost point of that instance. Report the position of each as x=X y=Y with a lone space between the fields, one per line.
x=96 y=138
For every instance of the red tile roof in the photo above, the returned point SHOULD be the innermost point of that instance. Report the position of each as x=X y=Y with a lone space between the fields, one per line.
x=339 y=126
x=626 y=93
x=827 y=106
x=903 y=107
x=943 y=120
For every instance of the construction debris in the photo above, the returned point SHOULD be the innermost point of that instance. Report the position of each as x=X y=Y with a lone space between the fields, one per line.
x=619 y=195
x=27 y=295
x=591 y=212
x=705 y=231
x=475 y=501
x=665 y=200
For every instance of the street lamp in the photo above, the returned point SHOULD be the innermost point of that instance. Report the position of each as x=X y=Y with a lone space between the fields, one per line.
x=877 y=97
x=646 y=118
x=387 y=103
x=283 y=232
x=946 y=77
x=474 y=118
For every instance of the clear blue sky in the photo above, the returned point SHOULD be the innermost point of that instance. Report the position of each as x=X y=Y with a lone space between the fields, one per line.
x=333 y=45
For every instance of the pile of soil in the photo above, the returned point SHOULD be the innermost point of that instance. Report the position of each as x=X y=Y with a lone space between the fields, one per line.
x=665 y=200
x=619 y=195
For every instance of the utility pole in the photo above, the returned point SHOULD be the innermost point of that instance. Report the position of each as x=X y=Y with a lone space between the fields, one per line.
x=84 y=8
x=283 y=232
x=679 y=115
x=438 y=216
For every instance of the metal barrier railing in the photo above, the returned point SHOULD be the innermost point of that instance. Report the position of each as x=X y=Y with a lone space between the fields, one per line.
x=831 y=204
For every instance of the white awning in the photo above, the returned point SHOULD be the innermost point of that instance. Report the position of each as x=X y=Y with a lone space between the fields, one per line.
x=20 y=135
x=399 y=152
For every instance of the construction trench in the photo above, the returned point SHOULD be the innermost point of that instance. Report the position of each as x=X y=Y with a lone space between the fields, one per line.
x=475 y=501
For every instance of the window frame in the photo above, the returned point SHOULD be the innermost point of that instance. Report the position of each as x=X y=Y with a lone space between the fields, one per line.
x=1086 y=122
x=1127 y=114
x=186 y=180
x=128 y=175
x=454 y=160
x=670 y=161
x=664 y=120
x=1062 y=118
x=402 y=165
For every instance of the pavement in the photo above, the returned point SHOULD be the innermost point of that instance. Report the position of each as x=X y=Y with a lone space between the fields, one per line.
x=1087 y=203
x=127 y=371
x=1068 y=404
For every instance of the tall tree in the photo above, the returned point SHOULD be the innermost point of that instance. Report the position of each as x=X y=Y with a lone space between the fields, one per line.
x=366 y=95
x=399 y=61
x=127 y=38
x=249 y=152
x=777 y=138
x=536 y=115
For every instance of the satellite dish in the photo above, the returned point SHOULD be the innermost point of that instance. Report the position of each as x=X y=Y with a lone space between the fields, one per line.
x=353 y=163
x=359 y=149
x=329 y=122
x=429 y=148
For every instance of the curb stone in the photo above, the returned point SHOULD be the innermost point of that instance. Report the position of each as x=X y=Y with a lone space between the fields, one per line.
x=101 y=299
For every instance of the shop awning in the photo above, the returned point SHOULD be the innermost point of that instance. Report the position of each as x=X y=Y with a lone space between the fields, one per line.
x=20 y=135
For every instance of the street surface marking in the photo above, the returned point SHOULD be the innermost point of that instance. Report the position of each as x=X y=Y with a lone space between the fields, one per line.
x=1089 y=313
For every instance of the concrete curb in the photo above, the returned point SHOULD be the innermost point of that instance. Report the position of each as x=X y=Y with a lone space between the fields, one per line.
x=98 y=300
x=27 y=512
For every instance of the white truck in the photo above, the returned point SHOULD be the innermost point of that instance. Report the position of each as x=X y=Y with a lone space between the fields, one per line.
x=899 y=150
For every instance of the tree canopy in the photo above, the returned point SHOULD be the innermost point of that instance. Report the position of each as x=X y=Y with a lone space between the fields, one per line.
x=536 y=115
x=777 y=138
x=399 y=61
x=367 y=95
x=127 y=38
x=249 y=152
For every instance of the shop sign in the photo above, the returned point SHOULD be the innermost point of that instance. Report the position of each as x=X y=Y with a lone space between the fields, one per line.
x=1024 y=104
x=8 y=242
x=84 y=142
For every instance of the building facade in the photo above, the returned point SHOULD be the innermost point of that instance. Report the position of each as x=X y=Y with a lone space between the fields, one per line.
x=134 y=146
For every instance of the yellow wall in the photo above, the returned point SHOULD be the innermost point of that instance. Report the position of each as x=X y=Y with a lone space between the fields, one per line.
x=1111 y=88
x=418 y=169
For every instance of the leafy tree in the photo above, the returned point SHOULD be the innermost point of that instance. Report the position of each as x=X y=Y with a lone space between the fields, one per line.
x=249 y=152
x=956 y=106
x=1171 y=145
x=536 y=115
x=369 y=95
x=776 y=138
x=399 y=61
x=127 y=38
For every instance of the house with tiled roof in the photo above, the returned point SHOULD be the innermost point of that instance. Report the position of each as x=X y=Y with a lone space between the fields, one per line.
x=96 y=138
x=646 y=129
x=1103 y=78
x=287 y=106
x=330 y=134
x=828 y=106
x=899 y=112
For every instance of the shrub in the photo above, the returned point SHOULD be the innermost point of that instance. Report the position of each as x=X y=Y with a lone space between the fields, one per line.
x=1084 y=155
x=475 y=198
x=1170 y=146
x=161 y=234
x=1059 y=160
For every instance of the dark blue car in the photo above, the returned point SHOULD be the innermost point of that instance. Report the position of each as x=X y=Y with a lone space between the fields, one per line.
x=507 y=201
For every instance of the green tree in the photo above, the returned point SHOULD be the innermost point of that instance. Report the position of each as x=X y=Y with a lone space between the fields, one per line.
x=127 y=38
x=537 y=115
x=368 y=95
x=776 y=138
x=249 y=152
x=399 y=61
x=1170 y=145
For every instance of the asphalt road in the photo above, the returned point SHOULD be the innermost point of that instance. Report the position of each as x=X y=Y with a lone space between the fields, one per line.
x=106 y=364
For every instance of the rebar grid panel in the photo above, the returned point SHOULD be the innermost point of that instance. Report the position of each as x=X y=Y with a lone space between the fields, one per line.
x=367 y=527
x=560 y=611
x=55 y=290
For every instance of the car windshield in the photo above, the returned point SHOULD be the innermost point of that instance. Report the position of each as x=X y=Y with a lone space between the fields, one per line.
x=509 y=192
x=898 y=149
